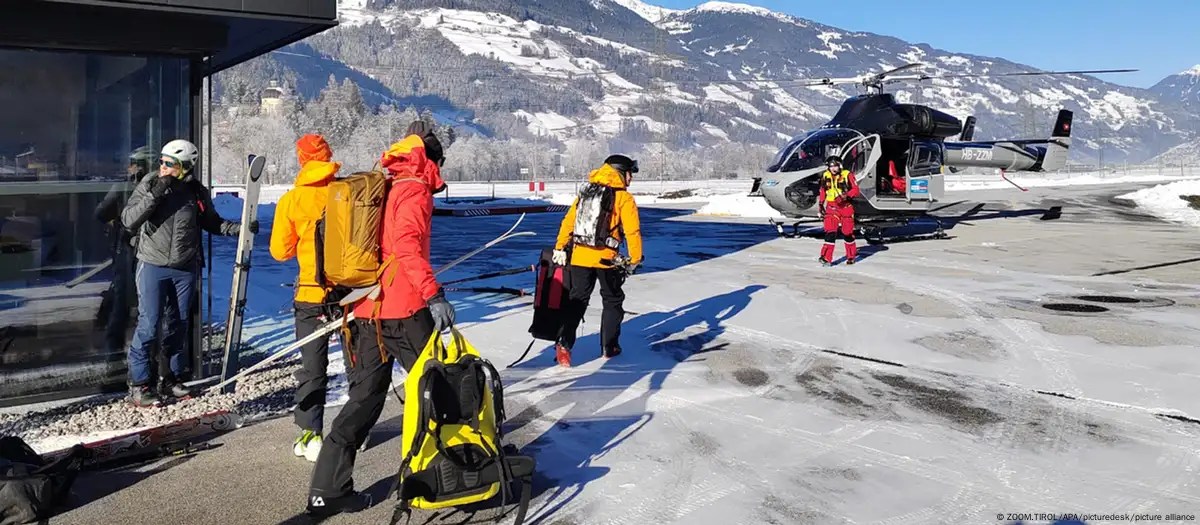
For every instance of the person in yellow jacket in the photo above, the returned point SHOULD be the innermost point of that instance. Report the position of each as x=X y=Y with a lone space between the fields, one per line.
x=292 y=235
x=589 y=237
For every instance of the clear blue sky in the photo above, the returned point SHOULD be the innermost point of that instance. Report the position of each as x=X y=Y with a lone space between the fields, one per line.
x=1158 y=37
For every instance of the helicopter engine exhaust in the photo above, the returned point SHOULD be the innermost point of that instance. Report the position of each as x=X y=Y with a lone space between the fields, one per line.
x=1015 y=155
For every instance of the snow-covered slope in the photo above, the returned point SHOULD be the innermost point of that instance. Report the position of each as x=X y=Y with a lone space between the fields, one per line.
x=651 y=13
x=1186 y=154
x=1183 y=87
x=718 y=72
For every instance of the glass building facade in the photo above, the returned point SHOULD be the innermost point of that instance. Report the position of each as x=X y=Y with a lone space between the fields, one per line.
x=77 y=130
x=88 y=95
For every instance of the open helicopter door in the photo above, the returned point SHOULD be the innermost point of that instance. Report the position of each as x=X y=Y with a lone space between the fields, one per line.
x=925 y=179
x=860 y=155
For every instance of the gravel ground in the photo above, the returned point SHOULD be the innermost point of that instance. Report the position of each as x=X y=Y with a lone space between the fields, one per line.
x=262 y=394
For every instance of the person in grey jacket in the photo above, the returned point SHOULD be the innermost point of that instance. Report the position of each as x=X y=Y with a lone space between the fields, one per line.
x=167 y=213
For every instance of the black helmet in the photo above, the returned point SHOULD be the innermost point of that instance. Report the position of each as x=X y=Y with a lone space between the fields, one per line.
x=833 y=158
x=433 y=146
x=622 y=163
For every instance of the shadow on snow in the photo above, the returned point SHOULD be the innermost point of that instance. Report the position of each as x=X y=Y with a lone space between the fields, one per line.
x=567 y=453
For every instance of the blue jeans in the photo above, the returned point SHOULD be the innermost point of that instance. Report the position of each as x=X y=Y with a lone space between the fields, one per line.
x=164 y=294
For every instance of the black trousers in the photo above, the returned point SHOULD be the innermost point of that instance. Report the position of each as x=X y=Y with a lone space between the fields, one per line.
x=582 y=281
x=370 y=375
x=311 y=379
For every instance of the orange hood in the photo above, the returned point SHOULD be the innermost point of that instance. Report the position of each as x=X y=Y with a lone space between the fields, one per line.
x=406 y=159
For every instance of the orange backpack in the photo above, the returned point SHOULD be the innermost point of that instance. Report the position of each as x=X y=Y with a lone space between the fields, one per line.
x=349 y=253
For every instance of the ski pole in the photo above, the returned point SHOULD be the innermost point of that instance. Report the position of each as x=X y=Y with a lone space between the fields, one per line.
x=505 y=290
x=501 y=273
x=88 y=275
x=334 y=324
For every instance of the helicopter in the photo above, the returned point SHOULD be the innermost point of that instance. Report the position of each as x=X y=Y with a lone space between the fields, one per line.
x=898 y=153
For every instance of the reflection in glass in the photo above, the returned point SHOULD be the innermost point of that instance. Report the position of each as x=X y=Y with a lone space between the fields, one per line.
x=75 y=131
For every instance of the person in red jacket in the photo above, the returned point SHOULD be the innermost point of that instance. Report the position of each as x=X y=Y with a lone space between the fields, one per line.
x=411 y=306
x=838 y=189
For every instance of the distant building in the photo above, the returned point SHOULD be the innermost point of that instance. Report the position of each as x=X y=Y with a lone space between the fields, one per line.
x=273 y=98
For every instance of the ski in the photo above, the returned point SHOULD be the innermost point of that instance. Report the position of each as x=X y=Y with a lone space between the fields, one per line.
x=373 y=291
x=89 y=274
x=241 y=265
x=153 y=441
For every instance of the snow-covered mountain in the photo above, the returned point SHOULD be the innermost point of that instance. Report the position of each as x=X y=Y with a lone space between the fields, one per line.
x=1183 y=87
x=1185 y=154
x=715 y=72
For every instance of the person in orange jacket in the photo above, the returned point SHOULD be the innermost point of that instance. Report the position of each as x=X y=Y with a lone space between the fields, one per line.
x=593 y=255
x=838 y=189
x=395 y=326
x=292 y=235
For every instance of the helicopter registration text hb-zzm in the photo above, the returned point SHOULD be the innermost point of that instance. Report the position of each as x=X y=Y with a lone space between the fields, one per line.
x=976 y=154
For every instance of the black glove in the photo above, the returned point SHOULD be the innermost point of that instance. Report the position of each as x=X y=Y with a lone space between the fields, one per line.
x=442 y=311
x=254 y=226
x=161 y=186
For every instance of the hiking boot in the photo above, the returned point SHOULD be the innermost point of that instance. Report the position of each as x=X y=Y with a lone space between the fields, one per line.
x=176 y=389
x=849 y=260
x=326 y=506
x=308 y=445
x=143 y=396
x=563 y=355
x=610 y=353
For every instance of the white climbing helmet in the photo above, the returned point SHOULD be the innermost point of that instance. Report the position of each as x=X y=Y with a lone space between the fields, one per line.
x=182 y=151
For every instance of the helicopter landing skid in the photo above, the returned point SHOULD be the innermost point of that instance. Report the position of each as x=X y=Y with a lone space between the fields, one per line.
x=876 y=234
x=779 y=228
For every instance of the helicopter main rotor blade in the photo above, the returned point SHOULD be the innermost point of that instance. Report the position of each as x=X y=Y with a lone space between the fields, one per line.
x=888 y=77
x=1017 y=74
x=888 y=73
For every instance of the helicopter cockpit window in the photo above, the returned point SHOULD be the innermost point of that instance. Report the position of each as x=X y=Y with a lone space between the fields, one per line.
x=809 y=151
x=926 y=159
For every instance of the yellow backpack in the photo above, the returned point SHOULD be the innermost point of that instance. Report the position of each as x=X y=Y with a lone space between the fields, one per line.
x=452 y=449
x=349 y=248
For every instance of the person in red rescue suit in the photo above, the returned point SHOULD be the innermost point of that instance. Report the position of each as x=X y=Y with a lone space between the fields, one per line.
x=410 y=308
x=838 y=188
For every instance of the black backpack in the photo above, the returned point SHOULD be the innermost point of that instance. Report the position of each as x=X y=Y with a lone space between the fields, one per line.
x=32 y=490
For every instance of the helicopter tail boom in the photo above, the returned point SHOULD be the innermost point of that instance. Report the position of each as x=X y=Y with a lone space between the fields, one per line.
x=1016 y=155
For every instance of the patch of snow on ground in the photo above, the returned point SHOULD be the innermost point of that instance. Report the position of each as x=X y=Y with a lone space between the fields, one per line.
x=964 y=182
x=738 y=205
x=1165 y=201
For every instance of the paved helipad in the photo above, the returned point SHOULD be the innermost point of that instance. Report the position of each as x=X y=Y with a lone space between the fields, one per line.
x=929 y=383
